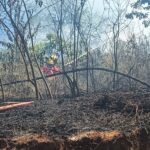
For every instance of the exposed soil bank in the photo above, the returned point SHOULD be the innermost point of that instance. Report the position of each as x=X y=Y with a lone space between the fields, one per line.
x=98 y=121
x=91 y=140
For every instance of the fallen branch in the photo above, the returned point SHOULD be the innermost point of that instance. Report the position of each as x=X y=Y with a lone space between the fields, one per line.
x=83 y=69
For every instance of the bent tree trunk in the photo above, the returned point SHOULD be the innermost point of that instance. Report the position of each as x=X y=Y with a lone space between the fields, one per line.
x=83 y=69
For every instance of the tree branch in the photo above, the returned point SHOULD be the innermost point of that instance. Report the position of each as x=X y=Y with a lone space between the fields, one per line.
x=79 y=70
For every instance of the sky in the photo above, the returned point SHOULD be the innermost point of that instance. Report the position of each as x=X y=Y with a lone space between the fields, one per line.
x=98 y=7
x=135 y=25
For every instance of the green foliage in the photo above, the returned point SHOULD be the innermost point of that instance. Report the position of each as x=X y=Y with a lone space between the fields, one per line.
x=138 y=13
x=39 y=47
x=39 y=2
x=52 y=41
x=140 y=2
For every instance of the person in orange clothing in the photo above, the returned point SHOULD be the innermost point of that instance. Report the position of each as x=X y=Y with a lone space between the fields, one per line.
x=50 y=68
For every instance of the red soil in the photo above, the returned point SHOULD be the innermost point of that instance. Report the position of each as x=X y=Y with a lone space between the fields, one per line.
x=91 y=140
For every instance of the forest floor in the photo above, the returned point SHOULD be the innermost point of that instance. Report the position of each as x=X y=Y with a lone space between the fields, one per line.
x=97 y=121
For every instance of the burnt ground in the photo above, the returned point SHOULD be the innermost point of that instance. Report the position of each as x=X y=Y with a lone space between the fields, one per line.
x=63 y=117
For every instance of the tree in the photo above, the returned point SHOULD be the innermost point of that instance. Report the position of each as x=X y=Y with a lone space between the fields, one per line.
x=16 y=20
x=116 y=21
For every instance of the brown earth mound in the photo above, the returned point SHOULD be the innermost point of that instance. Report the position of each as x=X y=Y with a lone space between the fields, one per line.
x=98 y=121
x=140 y=139
x=91 y=140
x=96 y=140
x=30 y=142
